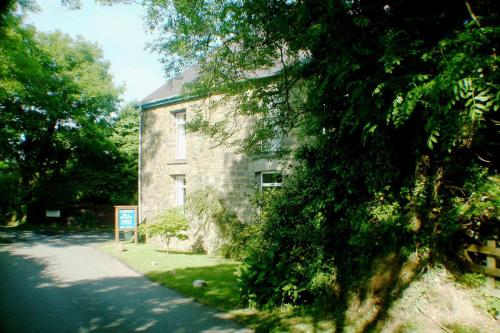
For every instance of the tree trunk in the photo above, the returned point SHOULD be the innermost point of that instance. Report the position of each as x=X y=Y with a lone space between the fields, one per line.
x=422 y=167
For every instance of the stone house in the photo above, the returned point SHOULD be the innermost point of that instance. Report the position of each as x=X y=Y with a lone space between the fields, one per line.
x=175 y=163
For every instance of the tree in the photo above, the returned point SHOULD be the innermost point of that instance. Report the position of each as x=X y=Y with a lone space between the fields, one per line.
x=56 y=96
x=126 y=139
x=395 y=103
x=170 y=224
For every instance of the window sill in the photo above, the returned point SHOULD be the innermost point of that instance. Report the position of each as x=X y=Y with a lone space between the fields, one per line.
x=177 y=162
x=265 y=156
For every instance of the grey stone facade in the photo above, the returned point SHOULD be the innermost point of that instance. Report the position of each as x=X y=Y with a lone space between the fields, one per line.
x=235 y=176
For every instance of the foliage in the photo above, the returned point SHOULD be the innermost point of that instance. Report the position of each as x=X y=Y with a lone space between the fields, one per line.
x=457 y=328
x=207 y=206
x=142 y=231
x=170 y=224
x=198 y=246
x=10 y=194
x=471 y=280
x=57 y=99
x=493 y=305
x=238 y=236
x=125 y=138
x=396 y=106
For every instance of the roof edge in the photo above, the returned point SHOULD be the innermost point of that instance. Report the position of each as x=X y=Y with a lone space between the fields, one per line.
x=146 y=105
x=166 y=101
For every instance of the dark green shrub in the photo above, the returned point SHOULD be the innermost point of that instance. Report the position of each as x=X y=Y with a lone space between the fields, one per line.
x=198 y=246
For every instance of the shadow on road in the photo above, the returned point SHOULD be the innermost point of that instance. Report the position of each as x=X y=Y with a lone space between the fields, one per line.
x=34 y=300
x=54 y=237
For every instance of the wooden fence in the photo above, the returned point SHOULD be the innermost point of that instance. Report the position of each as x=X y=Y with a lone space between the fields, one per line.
x=91 y=219
x=105 y=220
x=492 y=253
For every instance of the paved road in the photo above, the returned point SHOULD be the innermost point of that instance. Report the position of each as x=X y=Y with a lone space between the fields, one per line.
x=60 y=283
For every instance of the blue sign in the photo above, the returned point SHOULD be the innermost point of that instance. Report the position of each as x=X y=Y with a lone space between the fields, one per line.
x=126 y=219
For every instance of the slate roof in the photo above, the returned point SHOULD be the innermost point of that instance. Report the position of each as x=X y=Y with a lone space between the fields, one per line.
x=172 y=90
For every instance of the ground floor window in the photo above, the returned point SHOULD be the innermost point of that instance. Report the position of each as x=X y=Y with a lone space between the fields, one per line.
x=180 y=190
x=270 y=179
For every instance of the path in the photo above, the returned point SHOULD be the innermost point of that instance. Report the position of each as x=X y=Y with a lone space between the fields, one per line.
x=63 y=284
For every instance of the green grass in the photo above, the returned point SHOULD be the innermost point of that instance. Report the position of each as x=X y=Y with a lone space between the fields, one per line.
x=178 y=270
x=221 y=291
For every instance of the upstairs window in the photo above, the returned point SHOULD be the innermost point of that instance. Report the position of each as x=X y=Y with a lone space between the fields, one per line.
x=180 y=129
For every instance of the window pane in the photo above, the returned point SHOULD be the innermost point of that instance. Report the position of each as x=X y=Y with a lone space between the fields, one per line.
x=271 y=178
x=180 y=122
x=180 y=190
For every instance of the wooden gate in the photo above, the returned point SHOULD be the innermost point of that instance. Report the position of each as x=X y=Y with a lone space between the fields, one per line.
x=492 y=253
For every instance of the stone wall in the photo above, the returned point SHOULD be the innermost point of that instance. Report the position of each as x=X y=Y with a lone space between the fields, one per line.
x=206 y=164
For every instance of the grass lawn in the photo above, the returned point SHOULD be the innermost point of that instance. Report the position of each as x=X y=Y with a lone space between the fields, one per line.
x=178 y=270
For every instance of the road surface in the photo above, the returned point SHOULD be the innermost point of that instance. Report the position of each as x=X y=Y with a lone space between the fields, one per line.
x=61 y=283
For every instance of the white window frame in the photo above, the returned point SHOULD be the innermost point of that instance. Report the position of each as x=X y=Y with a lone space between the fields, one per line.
x=180 y=134
x=180 y=190
x=263 y=185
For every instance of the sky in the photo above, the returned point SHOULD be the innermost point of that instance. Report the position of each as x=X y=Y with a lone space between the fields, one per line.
x=119 y=31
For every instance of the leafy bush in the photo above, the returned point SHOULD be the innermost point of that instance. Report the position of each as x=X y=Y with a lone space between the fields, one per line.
x=142 y=231
x=170 y=224
x=396 y=107
x=478 y=212
x=398 y=153
x=10 y=203
x=238 y=237
x=198 y=246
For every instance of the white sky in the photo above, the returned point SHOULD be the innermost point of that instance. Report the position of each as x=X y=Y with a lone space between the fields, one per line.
x=118 y=30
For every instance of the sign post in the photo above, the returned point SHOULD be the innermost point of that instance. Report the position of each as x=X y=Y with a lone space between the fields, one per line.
x=125 y=220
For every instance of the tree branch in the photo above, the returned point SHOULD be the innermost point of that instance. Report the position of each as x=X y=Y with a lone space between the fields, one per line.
x=471 y=13
x=434 y=320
